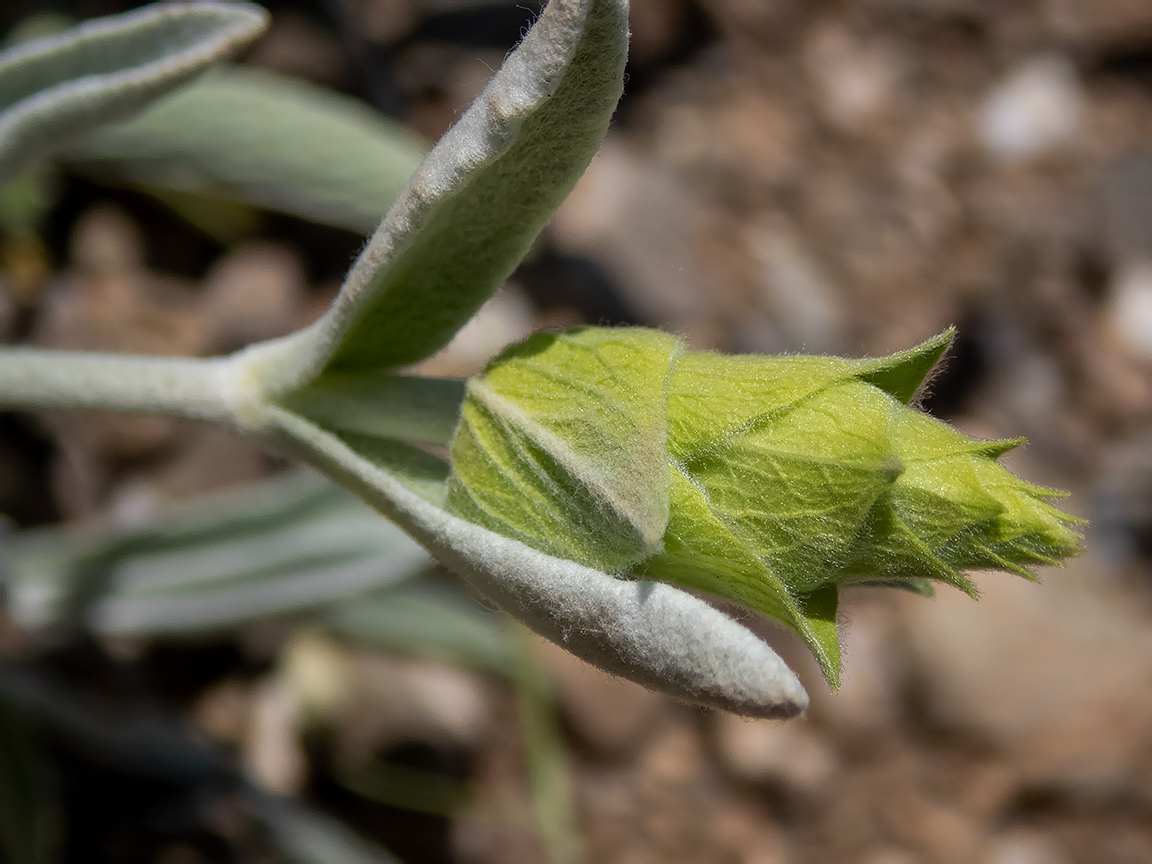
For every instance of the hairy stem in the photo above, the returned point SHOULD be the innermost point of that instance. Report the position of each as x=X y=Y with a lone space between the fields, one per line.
x=32 y=378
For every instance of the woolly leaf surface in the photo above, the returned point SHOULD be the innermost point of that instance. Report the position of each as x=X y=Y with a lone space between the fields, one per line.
x=254 y=136
x=475 y=205
x=54 y=88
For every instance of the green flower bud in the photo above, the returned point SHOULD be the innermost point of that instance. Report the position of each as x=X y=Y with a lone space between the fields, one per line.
x=768 y=481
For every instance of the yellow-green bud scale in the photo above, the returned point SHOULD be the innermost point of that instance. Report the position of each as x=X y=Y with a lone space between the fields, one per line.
x=768 y=481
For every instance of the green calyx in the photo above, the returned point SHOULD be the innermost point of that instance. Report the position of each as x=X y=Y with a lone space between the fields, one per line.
x=767 y=481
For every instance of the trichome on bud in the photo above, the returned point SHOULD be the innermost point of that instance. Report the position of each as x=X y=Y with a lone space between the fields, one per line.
x=767 y=481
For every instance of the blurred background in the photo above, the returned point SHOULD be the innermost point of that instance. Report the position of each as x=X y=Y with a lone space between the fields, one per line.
x=191 y=673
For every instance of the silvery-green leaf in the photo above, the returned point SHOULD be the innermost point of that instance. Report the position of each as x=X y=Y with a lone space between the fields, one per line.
x=57 y=87
x=475 y=205
x=286 y=546
x=428 y=618
x=266 y=139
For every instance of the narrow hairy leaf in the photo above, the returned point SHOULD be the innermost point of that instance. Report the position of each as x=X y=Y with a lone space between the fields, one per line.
x=266 y=139
x=55 y=88
x=282 y=547
x=475 y=205
x=428 y=618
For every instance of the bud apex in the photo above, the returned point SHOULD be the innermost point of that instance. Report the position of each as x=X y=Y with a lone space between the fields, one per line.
x=768 y=481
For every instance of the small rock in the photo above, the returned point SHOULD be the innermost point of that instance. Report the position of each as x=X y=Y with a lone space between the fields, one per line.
x=223 y=711
x=386 y=21
x=210 y=458
x=372 y=701
x=805 y=305
x=1058 y=676
x=396 y=699
x=1037 y=108
x=272 y=755
x=134 y=502
x=791 y=754
x=657 y=26
x=1121 y=515
x=296 y=45
x=254 y=292
x=1128 y=312
x=635 y=218
x=1025 y=846
x=318 y=671
x=106 y=241
x=891 y=856
x=1101 y=25
x=945 y=834
x=857 y=80
x=1123 y=222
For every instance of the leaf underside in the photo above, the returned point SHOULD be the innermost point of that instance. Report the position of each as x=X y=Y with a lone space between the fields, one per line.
x=265 y=139
x=55 y=88
x=476 y=204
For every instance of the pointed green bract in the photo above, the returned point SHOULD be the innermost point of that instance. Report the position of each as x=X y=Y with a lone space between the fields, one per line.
x=712 y=395
x=902 y=374
x=797 y=486
x=582 y=476
x=785 y=478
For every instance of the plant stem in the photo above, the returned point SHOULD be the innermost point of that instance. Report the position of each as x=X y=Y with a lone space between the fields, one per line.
x=32 y=378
